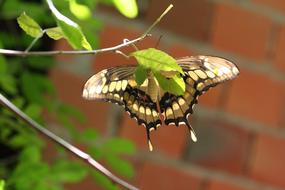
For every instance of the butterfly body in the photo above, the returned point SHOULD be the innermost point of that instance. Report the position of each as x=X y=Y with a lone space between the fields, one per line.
x=148 y=103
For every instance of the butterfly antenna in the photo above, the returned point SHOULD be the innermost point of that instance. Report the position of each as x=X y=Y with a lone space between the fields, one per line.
x=192 y=132
x=158 y=41
x=149 y=141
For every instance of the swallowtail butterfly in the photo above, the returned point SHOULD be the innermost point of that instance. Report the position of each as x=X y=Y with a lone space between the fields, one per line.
x=148 y=104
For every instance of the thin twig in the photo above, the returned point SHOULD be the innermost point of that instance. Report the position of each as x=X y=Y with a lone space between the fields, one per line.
x=80 y=52
x=34 y=41
x=133 y=45
x=79 y=153
x=77 y=52
x=158 y=19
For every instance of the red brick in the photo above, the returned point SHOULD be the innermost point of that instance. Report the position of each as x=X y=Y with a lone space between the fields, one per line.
x=280 y=55
x=220 y=146
x=178 y=51
x=87 y=183
x=155 y=176
x=223 y=185
x=258 y=97
x=189 y=18
x=69 y=88
x=268 y=160
x=212 y=98
x=169 y=140
x=276 y=4
x=239 y=31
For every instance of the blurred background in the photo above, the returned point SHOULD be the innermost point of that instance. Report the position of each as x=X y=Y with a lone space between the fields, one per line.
x=239 y=124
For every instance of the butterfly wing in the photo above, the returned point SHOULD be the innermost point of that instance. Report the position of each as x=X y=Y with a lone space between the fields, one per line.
x=117 y=85
x=201 y=73
x=108 y=84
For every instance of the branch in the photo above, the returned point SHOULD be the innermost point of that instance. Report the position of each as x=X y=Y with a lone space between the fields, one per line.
x=76 y=151
x=79 y=52
x=72 y=52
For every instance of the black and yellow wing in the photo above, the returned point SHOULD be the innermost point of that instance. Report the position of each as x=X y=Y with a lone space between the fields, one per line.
x=201 y=73
x=117 y=85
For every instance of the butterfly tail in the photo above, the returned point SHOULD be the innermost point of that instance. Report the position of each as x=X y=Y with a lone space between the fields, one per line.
x=192 y=132
x=148 y=140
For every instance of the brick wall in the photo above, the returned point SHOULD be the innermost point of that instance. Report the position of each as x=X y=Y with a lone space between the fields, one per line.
x=240 y=125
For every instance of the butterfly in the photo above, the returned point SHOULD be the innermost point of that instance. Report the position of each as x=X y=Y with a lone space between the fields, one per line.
x=148 y=103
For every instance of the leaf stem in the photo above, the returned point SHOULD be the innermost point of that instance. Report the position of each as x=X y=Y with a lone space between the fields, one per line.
x=34 y=41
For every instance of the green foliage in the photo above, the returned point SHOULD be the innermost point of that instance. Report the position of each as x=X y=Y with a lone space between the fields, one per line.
x=156 y=60
x=2 y=184
x=175 y=85
x=70 y=29
x=163 y=66
x=128 y=8
x=67 y=171
x=88 y=134
x=55 y=33
x=7 y=82
x=121 y=166
x=30 y=26
x=82 y=12
x=140 y=74
x=25 y=83
x=118 y=146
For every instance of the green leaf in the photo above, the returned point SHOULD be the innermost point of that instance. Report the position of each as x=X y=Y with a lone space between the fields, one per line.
x=31 y=88
x=18 y=141
x=90 y=28
x=29 y=25
x=40 y=63
x=29 y=175
x=33 y=110
x=140 y=74
x=13 y=8
x=119 y=146
x=156 y=60
x=128 y=8
x=55 y=33
x=8 y=83
x=2 y=184
x=18 y=101
x=5 y=133
x=121 y=166
x=3 y=65
x=96 y=152
x=70 y=29
x=31 y=154
x=34 y=86
x=89 y=134
x=175 y=85
x=73 y=112
x=67 y=171
x=82 y=12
